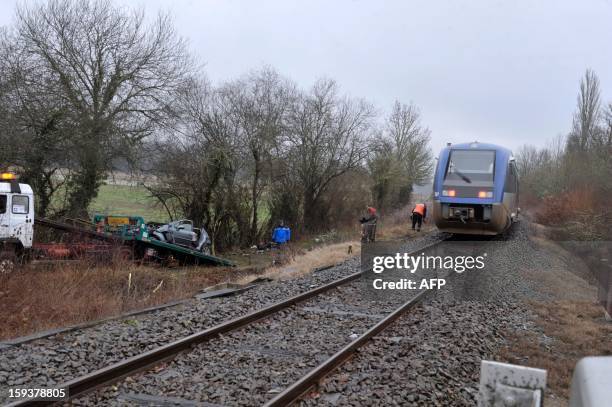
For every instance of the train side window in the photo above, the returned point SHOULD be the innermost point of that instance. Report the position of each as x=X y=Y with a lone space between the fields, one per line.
x=2 y=204
x=20 y=204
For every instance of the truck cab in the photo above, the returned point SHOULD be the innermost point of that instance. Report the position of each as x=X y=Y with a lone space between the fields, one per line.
x=16 y=218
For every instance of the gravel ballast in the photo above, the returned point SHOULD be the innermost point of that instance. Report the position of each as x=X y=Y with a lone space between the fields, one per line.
x=250 y=365
x=430 y=356
x=56 y=359
x=441 y=343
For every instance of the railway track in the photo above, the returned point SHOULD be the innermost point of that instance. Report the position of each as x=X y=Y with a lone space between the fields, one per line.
x=333 y=305
x=312 y=378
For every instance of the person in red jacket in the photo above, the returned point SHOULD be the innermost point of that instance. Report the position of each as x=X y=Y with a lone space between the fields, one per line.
x=368 y=225
x=419 y=213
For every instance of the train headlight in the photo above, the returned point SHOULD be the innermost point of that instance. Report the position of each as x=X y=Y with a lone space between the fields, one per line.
x=448 y=192
x=485 y=194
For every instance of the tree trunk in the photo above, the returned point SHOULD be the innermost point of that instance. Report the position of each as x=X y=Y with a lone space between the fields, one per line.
x=254 y=235
x=85 y=183
x=310 y=222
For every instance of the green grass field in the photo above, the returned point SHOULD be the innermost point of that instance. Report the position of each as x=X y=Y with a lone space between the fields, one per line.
x=127 y=200
x=135 y=200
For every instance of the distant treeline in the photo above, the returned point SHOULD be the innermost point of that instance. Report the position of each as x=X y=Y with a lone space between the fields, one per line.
x=85 y=84
x=569 y=183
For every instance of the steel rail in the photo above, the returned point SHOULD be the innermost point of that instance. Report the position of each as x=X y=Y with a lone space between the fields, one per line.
x=119 y=370
x=124 y=368
x=300 y=387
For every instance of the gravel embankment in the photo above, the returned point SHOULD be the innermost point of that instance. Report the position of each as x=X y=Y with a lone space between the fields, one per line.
x=432 y=355
x=59 y=358
x=251 y=365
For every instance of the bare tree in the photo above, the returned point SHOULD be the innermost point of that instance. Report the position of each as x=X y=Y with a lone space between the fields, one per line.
x=411 y=146
x=200 y=161
x=400 y=156
x=115 y=75
x=607 y=132
x=588 y=113
x=33 y=123
x=385 y=172
x=326 y=138
x=258 y=104
x=541 y=170
x=529 y=159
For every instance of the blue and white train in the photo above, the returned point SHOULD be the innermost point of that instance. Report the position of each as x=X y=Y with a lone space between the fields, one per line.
x=476 y=189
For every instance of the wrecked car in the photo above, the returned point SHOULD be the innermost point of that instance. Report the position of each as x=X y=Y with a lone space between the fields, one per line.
x=183 y=233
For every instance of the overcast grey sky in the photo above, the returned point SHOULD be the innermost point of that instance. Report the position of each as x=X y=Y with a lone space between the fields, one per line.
x=499 y=71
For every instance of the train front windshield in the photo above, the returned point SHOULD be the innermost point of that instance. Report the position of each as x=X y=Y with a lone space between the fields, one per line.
x=471 y=165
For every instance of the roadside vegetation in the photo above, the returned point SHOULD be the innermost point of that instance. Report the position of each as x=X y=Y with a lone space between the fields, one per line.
x=92 y=87
x=566 y=189
x=571 y=330
x=42 y=297
x=568 y=185
x=105 y=110
x=46 y=296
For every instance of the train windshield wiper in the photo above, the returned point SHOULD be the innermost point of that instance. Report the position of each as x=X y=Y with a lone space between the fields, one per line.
x=463 y=176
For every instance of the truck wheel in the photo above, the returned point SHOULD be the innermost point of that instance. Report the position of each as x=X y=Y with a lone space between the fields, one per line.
x=7 y=266
x=8 y=258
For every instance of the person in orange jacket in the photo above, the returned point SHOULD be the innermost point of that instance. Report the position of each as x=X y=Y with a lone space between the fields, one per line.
x=419 y=213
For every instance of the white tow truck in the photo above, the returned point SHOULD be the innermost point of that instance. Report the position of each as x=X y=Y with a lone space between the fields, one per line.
x=16 y=221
